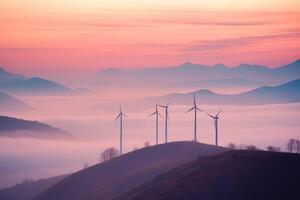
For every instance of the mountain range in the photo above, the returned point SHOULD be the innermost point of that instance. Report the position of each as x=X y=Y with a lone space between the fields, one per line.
x=186 y=75
x=285 y=93
x=13 y=127
x=197 y=75
x=18 y=84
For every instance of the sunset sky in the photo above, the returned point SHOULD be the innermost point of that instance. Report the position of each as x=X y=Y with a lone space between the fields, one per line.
x=49 y=35
x=72 y=42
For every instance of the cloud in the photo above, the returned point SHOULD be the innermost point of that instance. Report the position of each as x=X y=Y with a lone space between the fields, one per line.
x=236 y=42
x=11 y=50
x=217 y=22
x=197 y=17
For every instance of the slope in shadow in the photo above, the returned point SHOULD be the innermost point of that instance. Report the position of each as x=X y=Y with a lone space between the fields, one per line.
x=230 y=175
x=117 y=176
x=29 y=190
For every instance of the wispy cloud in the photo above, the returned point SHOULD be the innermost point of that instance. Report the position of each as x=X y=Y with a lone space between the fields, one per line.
x=218 y=22
x=236 y=42
x=12 y=50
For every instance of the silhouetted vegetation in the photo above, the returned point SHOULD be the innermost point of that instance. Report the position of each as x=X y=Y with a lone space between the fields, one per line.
x=297 y=146
x=290 y=145
x=135 y=148
x=147 y=144
x=273 y=149
x=248 y=147
x=86 y=165
x=231 y=146
x=252 y=148
x=108 y=154
x=293 y=145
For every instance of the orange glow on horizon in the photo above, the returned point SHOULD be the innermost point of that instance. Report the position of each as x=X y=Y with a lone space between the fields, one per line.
x=99 y=34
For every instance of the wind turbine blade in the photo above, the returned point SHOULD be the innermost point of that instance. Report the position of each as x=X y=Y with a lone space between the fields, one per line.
x=210 y=115
x=194 y=99
x=124 y=115
x=152 y=114
x=190 y=109
x=199 y=109
x=218 y=113
x=117 y=117
x=160 y=115
x=168 y=104
x=161 y=106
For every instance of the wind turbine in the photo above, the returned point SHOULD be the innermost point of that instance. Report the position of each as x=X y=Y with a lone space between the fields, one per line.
x=166 y=107
x=195 y=108
x=120 y=116
x=156 y=113
x=216 y=118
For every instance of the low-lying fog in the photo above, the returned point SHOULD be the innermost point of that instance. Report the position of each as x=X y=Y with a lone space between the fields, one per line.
x=90 y=119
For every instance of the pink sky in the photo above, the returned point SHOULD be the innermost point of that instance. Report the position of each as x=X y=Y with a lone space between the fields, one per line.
x=48 y=35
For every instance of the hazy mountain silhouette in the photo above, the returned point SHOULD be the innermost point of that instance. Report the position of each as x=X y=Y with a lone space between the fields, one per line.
x=9 y=103
x=232 y=175
x=6 y=76
x=117 y=176
x=13 y=127
x=29 y=189
x=285 y=93
x=14 y=83
x=196 y=75
x=221 y=83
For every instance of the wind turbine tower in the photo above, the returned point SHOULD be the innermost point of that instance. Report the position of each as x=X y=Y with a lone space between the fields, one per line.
x=120 y=116
x=156 y=113
x=196 y=109
x=216 y=123
x=166 y=107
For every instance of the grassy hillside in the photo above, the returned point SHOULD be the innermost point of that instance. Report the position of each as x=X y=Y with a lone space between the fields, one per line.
x=117 y=176
x=231 y=175
x=30 y=189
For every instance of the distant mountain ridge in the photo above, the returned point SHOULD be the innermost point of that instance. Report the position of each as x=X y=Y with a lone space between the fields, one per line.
x=18 y=84
x=13 y=127
x=285 y=93
x=189 y=74
x=6 y=75
x=9 y=103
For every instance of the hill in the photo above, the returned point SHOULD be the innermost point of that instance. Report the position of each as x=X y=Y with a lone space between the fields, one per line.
x=232 y=175
x=29 y=189
x=6 y=76
x=38 y=85
x=13 y=127
x=115 y=177
x=18 y=84
x=9 y=103
x=285 y=93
